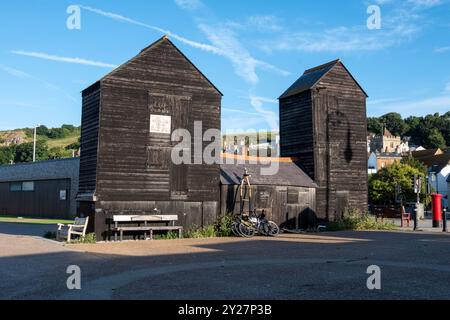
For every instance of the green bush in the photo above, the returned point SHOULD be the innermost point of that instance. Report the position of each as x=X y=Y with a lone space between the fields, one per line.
x=171 y=235
x=223 y=226
x=354 y=220
x=197 y=233
x=87 y=239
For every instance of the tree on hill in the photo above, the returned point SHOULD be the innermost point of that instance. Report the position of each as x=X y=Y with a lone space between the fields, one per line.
x=24 y=152
x=432 y=131
x=395 y=123
x=6 y=155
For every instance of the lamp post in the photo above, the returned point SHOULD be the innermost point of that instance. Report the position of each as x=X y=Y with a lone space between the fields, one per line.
x=34 y=143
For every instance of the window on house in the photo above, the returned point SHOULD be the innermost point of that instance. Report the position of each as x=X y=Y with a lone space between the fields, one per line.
x=28 y=186
x=15 y=186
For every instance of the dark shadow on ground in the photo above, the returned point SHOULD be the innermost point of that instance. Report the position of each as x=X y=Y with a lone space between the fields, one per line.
x=25 y=229
x=259 y=269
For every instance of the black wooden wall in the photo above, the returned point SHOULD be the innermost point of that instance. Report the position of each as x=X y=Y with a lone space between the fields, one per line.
x=289 y=207
x=134 y=171
x=43 y=202
x=326 y=129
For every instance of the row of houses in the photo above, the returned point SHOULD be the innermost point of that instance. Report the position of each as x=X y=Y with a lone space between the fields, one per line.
x=125 y=166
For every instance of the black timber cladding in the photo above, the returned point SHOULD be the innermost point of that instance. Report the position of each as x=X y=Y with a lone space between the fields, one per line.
x=49 y=178
x=89 y=140
x=324 y=126
x=288 y=198
x=134 y=171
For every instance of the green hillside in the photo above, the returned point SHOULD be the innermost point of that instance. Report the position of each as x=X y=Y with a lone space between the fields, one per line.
x=16 y=146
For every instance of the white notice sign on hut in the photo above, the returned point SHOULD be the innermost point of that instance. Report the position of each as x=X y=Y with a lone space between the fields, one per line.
x=160 y=124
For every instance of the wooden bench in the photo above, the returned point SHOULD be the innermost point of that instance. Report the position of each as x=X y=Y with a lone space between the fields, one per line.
x=67 y=231
x=169 y=220
x=394 y=213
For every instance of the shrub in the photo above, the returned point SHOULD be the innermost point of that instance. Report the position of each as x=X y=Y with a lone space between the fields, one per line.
x=354 y=220
x=87 y=239
x=223 y=226
x=171 y=235
x=197 y=233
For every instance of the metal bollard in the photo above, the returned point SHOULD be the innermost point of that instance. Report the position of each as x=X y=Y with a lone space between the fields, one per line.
x=444 y=222
x=416 y=218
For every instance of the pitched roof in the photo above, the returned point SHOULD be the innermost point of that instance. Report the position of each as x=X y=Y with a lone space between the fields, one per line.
x=439 y=161
x=289 y=174
x=312 y=76
x=387 y=133
x=426 y=153
x=160 y=40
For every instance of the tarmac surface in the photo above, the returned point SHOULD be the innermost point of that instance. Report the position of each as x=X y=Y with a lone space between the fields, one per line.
x=306 y=266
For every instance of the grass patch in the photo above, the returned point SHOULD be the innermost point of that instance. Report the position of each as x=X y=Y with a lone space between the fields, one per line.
x=354 y=220
x=11 y=219
x=62 y=143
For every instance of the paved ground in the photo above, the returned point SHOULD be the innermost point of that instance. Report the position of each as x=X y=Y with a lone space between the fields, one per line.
x=314 y=266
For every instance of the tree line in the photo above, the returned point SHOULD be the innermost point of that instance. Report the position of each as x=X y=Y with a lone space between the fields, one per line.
x=431 y=131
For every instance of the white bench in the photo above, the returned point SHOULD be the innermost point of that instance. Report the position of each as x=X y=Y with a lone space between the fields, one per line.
x=67 y=231
x=169 y=220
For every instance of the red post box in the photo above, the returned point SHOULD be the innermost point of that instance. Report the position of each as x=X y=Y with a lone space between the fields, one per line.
x=437 y=210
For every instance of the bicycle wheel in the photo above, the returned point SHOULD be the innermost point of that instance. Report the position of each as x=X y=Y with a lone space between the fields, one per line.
x=235 y=229
x=246 y=231
x=273 y=229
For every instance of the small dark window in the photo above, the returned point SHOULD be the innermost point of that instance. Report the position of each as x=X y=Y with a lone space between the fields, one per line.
x=15 y=186
x=292 y=196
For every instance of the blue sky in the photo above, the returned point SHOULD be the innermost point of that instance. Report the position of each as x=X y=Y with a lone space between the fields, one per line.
x=251 y=50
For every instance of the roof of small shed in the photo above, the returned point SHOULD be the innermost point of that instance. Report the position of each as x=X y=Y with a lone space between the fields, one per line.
x=289 y=174
x=312 y=76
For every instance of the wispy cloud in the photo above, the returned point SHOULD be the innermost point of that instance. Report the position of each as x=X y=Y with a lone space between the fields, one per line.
x=447 y=88
x=223 y=42
x=270 y=116
x=46 y=56
x=121 y=18
x=401 y=22
x=189 y=4
x=24 y=75
x=442 y=49
x=414 y=107
x=16 y=104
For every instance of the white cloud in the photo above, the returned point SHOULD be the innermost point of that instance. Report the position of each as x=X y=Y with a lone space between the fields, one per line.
x=425 y=3
x=121 y=18
x=46 y=56
x=447 y=88
x=414 y=107
x=401 y=23
x=224 y=43
x=14 y=72
x=189 y=4
x=264 y=23
x=24 y=75
x=270 y=116
x=442 y=49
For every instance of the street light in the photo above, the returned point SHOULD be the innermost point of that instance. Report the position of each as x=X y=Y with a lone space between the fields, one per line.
x=34 y=143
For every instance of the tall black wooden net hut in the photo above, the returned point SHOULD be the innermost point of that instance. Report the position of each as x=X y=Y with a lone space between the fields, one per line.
x=323 y=124
x=127 y=121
